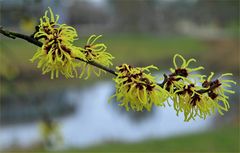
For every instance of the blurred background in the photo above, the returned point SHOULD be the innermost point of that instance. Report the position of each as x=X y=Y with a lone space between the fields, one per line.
x=73 y=115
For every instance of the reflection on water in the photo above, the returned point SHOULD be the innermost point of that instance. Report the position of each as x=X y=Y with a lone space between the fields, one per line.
x=96 y=121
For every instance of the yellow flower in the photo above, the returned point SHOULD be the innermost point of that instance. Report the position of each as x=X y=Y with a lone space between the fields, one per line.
x=184 y=70
x=138 y=89
x=181 y=75
x=192 y=103
x=55 y=59
x=57 y=53
x=217 y=90
x=49 y=28
x=95 y=53
x=202 y=101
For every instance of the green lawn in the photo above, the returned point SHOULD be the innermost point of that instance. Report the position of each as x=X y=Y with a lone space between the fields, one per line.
x=219 y=140
x=224 y=139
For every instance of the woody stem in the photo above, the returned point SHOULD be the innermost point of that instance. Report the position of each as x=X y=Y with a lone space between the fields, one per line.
x=34 y=41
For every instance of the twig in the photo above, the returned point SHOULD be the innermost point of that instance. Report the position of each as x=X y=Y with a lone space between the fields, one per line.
x=15 y=35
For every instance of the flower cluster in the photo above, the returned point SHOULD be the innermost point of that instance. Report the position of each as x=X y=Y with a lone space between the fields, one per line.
x=194 y=100
x=58 y=54
x=138 y=89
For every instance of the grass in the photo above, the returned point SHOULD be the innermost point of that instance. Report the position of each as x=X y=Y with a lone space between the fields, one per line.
x=225 y=139
x=216 y=140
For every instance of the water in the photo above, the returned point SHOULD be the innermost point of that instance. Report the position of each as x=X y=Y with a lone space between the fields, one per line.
x=97 y=121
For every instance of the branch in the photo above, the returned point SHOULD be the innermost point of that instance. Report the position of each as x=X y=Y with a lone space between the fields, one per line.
x=15 y=35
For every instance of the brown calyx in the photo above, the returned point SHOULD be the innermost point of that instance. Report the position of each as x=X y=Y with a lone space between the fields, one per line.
x=211 y=85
